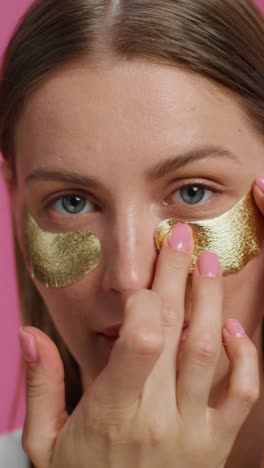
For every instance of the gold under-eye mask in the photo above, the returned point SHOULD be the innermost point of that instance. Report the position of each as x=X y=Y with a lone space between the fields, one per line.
x=59 y=259
x=235 y=236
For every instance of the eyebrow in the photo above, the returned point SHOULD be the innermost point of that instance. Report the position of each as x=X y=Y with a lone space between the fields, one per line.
x=159 y=171
x=193 y=155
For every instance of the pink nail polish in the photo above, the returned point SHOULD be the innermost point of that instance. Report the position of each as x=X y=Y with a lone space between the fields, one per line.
x=260 y=183
x=235 y=328
x=28 y=346
x=180 y=238
x=208 y=265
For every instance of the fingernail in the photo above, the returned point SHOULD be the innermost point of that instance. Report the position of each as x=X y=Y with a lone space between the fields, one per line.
x=180 y=238
x=235 y=328
x=208 y=265
x=260 y=183
x=28 y=346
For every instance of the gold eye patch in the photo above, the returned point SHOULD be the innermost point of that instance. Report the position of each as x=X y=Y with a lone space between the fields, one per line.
x=235 y=236
x=59 y=259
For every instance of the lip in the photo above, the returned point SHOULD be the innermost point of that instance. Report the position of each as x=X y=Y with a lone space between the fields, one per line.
x=107 y=341
x=112 y=331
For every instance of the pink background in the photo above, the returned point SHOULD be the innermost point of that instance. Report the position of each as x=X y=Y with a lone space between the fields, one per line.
x=12 y=409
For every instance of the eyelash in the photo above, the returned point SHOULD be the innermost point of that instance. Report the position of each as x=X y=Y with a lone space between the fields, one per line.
x=48 y=206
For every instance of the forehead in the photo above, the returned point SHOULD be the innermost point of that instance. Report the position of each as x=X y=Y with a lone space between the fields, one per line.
x=127 y=109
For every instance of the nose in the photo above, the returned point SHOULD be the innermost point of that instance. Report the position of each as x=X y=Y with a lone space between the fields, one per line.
x=130 y=254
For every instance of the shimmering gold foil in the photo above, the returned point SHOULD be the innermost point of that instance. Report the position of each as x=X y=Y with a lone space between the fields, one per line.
x=59 y=259
x=235 y=236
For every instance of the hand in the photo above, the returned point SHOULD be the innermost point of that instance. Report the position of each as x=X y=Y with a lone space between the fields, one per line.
x=145 y=409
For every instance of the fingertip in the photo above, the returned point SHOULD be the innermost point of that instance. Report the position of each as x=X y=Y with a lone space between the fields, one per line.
x=180 y=238
x=28 y=346
x=234 y=328
x=209 y=265
x=233 y=338
x=36 y=332
x=40 y=350
x=258 y=192
x=259 y=183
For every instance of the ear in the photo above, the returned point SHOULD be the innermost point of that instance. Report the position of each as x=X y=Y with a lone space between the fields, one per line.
x=258 y=193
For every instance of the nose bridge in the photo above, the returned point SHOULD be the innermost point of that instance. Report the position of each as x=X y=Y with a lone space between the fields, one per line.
x=130 y=260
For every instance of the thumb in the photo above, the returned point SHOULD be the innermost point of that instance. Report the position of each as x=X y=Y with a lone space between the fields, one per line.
x=45 y=395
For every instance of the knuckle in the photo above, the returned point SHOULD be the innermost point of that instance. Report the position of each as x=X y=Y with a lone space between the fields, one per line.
x=103 y=419
x=246 y=392
x=203 y=350
x=247 y=395
x=154 y=437
x=147 y=341
x=172 y=312
x=112 y=431
x=180 y=264
x=35 y=388
x=156 y=433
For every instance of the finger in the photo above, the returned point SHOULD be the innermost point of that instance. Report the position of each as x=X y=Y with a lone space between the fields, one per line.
x=258 y=192
x=171 y=276
x=134 y=354
x=243 y=389
x=203 y=344
x=45 y=395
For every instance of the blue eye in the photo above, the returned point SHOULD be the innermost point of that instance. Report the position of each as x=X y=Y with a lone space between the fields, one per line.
x=193 y=194
x=72 y=204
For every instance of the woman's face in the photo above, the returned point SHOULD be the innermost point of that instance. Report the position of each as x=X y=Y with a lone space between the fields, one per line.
x=117 y=138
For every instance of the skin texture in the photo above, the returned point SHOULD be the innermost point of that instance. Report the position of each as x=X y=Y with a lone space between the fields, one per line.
x=97 y=124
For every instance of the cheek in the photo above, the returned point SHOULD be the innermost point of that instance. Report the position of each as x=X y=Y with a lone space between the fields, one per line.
x=244 y=295
x=74 y=306
x=72 y=310
x=76 y=300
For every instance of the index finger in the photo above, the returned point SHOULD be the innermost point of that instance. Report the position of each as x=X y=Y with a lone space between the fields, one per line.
x=170 y=283
x=171 y=276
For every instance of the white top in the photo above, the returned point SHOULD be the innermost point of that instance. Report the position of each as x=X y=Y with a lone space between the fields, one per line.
x=12 y=454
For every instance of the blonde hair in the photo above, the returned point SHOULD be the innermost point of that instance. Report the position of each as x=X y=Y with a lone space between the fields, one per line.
x=222 y=40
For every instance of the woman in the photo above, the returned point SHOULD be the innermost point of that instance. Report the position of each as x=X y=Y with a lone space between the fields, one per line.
x=141 y=112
